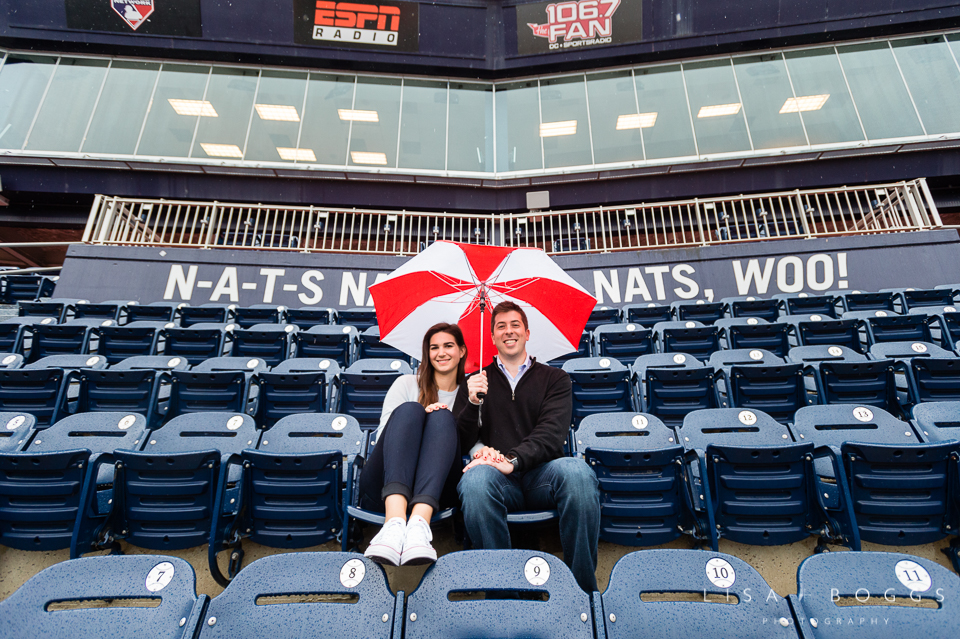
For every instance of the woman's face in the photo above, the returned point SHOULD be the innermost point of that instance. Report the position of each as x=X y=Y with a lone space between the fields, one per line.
x=445 y=355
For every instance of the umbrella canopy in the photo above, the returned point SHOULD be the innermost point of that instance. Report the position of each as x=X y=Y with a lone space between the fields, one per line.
x=444 y=283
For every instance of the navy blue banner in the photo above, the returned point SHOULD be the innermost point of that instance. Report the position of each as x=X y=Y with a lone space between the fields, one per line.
x=152 y=17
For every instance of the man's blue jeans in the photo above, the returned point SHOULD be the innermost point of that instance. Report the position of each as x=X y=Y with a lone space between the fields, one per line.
x=565 y=484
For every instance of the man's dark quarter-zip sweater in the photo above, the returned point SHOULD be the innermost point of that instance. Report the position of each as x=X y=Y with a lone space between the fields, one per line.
x=530 y=422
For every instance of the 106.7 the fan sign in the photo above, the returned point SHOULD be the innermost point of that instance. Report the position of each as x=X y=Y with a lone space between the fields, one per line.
x=562 y=26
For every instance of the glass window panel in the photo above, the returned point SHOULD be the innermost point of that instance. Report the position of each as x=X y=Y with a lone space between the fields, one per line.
x=67 y=107
x=423 y=125
x=324 y=133
x=878 y=90
x=23 y=80
x=518 y=127
x=614 y=119
x=768 y=102
x=660 y=92
x=375 y=143
x=717 y=112
x=816 y=72
x=564 y=128
x=933 y=79
x=123 y=103
x=276 y=118
x=172 y=117
x=230 y=93
x=470 y=133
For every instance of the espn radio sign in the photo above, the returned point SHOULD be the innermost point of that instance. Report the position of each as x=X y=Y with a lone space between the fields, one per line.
x=389 y=26
x=575 y=24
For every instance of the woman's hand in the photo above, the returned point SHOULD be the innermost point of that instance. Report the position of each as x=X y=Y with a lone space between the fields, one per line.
x=435 y=406
x=488 y=452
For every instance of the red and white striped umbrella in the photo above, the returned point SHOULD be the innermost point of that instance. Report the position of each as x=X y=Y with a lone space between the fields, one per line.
x=444 y=283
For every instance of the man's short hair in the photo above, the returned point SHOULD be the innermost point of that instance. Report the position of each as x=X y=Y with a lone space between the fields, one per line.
x=506 y=307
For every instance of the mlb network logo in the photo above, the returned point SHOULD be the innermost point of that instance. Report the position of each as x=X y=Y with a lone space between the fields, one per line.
x=133 y=12
x=359 y=23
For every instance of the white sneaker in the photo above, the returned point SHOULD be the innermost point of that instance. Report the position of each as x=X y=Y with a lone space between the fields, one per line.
x=416 y=547
x=386 y=546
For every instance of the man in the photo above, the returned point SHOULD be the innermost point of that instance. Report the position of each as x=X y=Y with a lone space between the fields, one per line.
x=526 y=414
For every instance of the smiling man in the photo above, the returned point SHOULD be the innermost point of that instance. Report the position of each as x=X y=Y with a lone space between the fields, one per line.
x=526 y=415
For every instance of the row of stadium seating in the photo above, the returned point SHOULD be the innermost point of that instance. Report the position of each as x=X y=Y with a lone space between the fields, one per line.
x=487 y=594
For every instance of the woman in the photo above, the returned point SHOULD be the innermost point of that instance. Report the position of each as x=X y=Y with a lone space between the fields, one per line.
x=417 y=450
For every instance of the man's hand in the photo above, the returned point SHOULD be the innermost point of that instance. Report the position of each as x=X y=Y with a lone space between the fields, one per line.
x=435 y=406
x=502 y=465
x=477 y=383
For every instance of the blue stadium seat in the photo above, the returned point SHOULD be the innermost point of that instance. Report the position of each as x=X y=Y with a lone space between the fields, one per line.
x=820 y=330
x=875 y=595
x=291 y=494
x=637 y=460
x=751 y=483
x=68 y=362
x=338 y=343
x=805 y=304
x=15 y=431
x=156 y=362
x=249 y=316
x=209 y=391
x=646 y=315
x=528 y=594
x=39 y=392
x=908 y=350
x=896 y=328
x=153 y=312
x=636 y=603
x=354 y=600
x=688 y=337
x=662 y=360
x=364 y=384
x=206 y=314
x=114 y=311
x=271 y=342
x=197 y=343
x=860 y=301
x=126 y=391
x=164 y=497
x=46 y=488
x=58 y=311
x=946 y=323
x=360 y=318
x=602 y=315
x=583 y=350
x=120 y=342
x=871 y=383
x=296 y=386
x=814 y=355
x=937 y=421
x=908 y=298
x=672 y=393
x=59 y=339
x=763 y=309
x=370 y=347
x=18 y=288
x=755 y=332
x=777 y=390
x=723 y=360
x=699 y=311
x=14 y=332
x=955 y=288
x=11 y=361
x=600 y=385
x=624 y=342
x=307 y=317
x=71 y=599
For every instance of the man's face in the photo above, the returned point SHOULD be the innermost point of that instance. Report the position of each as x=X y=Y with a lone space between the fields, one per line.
x=509 y=335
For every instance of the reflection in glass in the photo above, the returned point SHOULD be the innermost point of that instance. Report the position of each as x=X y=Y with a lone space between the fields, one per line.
x=22 y=83
x=276 y=121
x=564 y=125
x=423 y=125
x=167 y=133
x=660 y=91
x=768 y=102
x=323 y=132
x=878 y=91
x=470 y=132
x=67 y=106
x=231 y=93
x=518 y=127
x=375 y=143
x=123 y=103
x=933 y=79
x=718 y=118
x=816 y=72
x=614 y=120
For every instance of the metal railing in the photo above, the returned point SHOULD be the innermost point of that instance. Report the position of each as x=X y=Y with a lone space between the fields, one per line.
x=880 y=208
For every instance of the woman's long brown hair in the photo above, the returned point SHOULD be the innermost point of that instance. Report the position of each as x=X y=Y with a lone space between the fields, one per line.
x=426 y=381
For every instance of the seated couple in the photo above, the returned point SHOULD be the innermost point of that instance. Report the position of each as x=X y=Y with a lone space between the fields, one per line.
x=516 y=448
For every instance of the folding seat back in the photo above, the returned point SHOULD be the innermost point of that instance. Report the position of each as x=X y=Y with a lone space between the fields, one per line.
x=154 y=362
x=699 y=311
x=68 y=600
x=196 y=344
x=662 y=360
x=294 y=389
x=361 y=318
x=767 y=310
x=936 y=421
x=19 y=288
x=40 y=393
x=671 y=394
x=777 y=390
x=600 y=385
x=863 y=595
x=327 y=342
x=914 y=298
x=602 y=315
x=529 y=594
x=750 y=482
x=897 y=328
x=127 y=391
x=120 y=342
x=773 y=337
x=102 y=311
x=323 y=595
x=45 y=488
x=646 y=315
x=721 y=592
x=155 y=312
x=165 y=497
x=15 y=330
x=206 y=313
x=583 y=350
x=291 y=487
x=687 y=337
x=202 y=392
x=624 y=342
x=871 y=383
x=307 y=317
x=249 y=316
x=859 y=301
x=364 y=386
x=821 y=330
x=271 y=342
x=57 y=311
x=370 y=346
x=59 y=339
x=638 y=464
x=805 y=304
x=15 y=431
x=949 y=327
